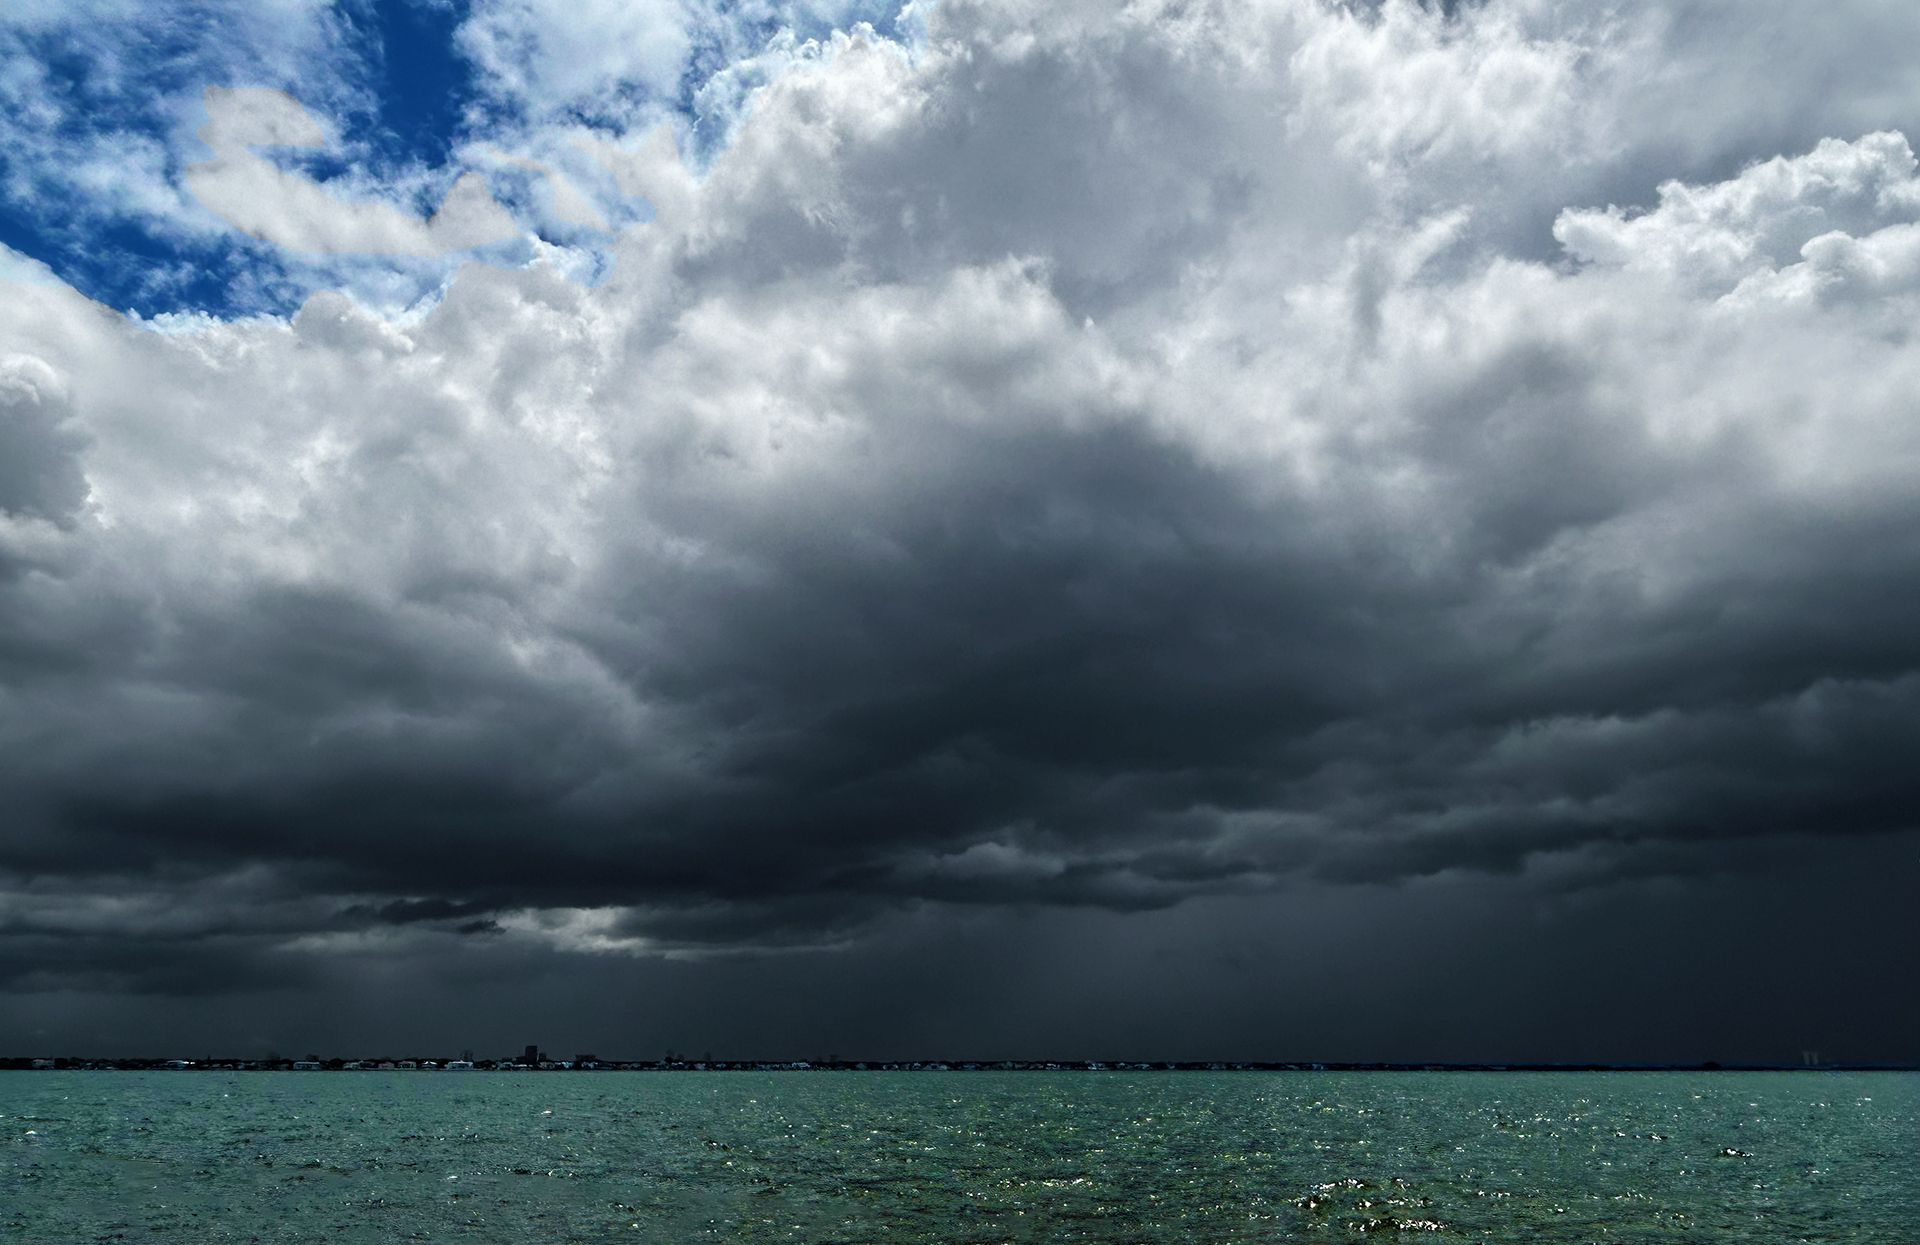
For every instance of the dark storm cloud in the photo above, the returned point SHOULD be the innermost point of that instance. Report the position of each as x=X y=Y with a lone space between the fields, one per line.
x=1183 y=497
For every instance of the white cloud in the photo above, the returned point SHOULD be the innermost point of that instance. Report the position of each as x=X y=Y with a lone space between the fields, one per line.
x=567 y=203
x=1714 y=236
x=100 y=134
x=25 y=269
x=1405 y=92
x=628 y=65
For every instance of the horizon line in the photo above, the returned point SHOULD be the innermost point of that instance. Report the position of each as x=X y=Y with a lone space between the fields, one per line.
x=591 y=1064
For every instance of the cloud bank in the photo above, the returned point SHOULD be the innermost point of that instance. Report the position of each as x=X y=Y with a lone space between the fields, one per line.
x=1101 y=457
x=110 y=137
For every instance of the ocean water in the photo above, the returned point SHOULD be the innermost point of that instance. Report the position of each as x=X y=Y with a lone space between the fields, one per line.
x=519 y=1158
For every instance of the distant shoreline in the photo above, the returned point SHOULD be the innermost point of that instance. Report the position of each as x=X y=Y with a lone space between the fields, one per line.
x=41 y=1064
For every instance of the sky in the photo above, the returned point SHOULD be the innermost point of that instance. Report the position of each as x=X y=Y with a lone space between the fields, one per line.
x=1258 y=529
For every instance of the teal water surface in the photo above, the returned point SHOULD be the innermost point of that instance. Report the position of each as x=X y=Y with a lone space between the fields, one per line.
x=521 y=1158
